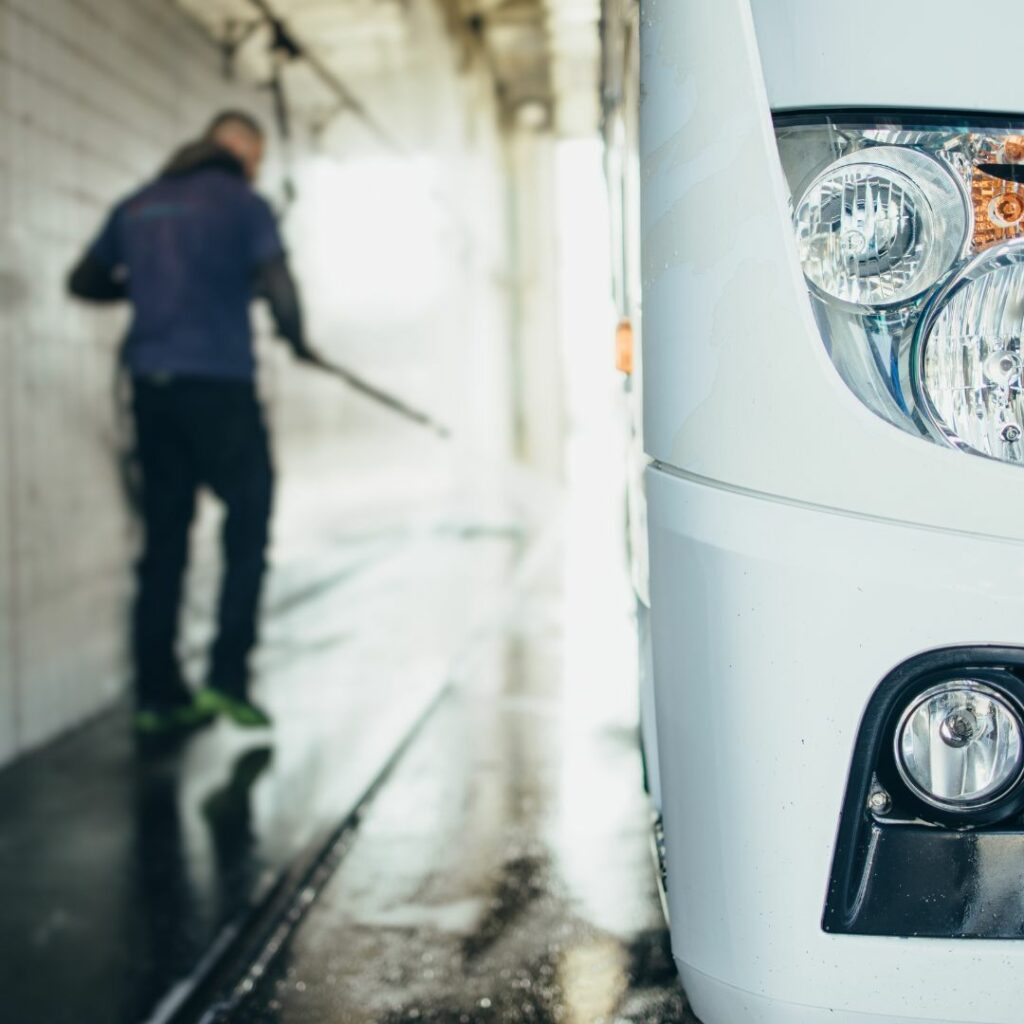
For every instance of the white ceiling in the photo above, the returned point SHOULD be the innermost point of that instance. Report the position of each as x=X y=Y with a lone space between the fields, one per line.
x=544 y=54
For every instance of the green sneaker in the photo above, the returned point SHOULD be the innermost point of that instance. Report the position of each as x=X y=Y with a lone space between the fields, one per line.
x=167 y=721
x=242 y=712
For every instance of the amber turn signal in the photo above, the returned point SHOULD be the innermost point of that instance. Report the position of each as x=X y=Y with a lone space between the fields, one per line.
x=998 y=209
x=624 y=346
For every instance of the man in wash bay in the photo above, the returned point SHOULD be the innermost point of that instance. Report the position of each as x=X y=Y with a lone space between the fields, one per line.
x=190 y=251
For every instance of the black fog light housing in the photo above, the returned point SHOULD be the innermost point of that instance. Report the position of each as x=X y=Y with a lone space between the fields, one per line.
x=931 y=836
x=951 y=746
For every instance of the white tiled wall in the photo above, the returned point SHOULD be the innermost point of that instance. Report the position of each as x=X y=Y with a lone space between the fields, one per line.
x=93 y=96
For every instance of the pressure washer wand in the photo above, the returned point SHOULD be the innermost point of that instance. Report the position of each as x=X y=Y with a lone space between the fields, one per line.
x=381 y=397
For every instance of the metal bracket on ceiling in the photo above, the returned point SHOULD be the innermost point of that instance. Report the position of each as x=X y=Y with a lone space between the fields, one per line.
x=238 y=32
x=283 y=45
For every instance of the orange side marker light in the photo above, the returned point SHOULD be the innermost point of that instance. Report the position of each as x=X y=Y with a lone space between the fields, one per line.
x=624 y=346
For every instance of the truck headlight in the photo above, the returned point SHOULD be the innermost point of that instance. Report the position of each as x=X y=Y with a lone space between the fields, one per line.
x=958 y=745
x=966 y=365
x=911 y=237
x=878 y=227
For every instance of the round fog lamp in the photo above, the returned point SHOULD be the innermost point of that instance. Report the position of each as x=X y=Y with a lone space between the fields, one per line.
x=959 y=745
x=880 y=226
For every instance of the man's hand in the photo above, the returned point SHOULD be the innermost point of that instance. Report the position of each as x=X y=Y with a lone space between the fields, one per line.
x=94 y=282
x=305 y=354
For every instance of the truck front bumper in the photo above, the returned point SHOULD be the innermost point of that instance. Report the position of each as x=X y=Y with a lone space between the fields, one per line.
x=773 y=624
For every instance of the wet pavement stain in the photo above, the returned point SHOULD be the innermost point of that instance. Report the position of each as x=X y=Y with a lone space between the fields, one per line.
x=533 y=965
x=503 y=875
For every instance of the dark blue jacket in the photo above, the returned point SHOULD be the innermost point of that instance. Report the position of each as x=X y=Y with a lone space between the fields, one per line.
x=188 y=250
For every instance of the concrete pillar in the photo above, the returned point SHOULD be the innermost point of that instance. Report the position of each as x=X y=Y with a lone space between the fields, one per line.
x=539 y=393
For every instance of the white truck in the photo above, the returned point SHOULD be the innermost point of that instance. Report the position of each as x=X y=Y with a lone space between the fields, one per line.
x=821 y=205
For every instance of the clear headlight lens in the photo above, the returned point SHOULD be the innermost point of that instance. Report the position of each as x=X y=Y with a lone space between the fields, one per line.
x=968 y=356
x=878 y=227
x=959 y=745
x=897 y=225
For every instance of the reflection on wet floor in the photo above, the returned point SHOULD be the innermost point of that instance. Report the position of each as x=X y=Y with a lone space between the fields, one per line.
x=504 y=873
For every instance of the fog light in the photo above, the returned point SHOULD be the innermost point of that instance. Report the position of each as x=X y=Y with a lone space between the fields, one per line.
x=959 y=745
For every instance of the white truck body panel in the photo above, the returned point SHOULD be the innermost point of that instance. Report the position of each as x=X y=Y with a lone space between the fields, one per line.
x=800 y=547
x=773 y=623
x=941 y=54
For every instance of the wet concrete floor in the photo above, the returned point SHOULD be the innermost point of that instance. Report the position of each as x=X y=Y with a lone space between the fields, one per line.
x=504 y=873
x=120 y=871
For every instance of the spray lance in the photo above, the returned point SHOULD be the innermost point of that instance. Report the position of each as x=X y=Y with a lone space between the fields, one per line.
x=381 y=397
x=283 y=49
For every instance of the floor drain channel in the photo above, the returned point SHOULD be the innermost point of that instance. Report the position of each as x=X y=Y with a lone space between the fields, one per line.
x=227 y=978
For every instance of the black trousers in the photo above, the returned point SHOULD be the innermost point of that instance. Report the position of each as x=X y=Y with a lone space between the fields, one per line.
x=191 y=433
